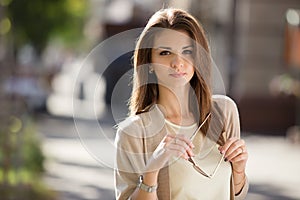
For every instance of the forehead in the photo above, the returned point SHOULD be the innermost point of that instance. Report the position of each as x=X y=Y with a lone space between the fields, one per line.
x=172 y=38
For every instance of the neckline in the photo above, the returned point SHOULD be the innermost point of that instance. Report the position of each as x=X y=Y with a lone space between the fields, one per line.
x=180 y=126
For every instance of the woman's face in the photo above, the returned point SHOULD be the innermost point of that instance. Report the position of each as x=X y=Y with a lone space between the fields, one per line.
x=172 y=58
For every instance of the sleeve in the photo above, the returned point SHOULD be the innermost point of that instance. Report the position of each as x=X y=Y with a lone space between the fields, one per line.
x=129 y=159
x=232 y=129
x=232 y=120
x=243 y=193
x=225 y=119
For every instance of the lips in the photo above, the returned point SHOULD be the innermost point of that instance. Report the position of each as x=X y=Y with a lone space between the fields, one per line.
x=178 y=75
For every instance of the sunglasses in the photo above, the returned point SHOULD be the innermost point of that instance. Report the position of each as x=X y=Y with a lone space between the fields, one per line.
x=192 y=160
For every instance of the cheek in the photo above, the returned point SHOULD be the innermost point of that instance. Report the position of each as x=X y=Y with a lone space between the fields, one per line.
x=160 y=69
x=160 y=64
x=191 y=72
x=190 y=68
x=160 y=61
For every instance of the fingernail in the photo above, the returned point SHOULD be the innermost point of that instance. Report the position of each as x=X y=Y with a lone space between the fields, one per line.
x=221 y=151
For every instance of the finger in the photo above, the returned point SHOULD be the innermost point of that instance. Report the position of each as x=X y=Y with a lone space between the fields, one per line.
x=178 y=138
x=231 y=145
x=190 y=152
x=168 y=138
x=178 y=151
x=181 y=140
x=238 y=144
x=234 y=154
x=184 y=145
x=224 y=148
x=235 y=149
x=185 y=139
x=239 y=158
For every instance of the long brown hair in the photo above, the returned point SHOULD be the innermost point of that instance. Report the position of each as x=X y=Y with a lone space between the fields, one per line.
x=145 y=92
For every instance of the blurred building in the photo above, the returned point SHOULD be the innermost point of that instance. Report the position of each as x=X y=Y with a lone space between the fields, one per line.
x=248 y=41
x=260 y=46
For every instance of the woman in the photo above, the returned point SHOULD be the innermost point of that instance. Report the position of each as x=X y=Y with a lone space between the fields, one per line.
x=175 y=119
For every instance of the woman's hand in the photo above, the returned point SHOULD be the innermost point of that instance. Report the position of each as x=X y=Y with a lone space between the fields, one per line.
x=235 y=151
x=171 y=145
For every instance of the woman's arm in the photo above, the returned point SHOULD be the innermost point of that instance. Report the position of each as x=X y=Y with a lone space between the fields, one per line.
x=239 y=179
x=234 y=149
x=170 y=146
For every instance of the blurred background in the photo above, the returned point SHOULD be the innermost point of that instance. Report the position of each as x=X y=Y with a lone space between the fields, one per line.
x=255 y=44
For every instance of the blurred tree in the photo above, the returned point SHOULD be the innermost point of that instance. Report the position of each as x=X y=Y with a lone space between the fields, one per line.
x=37 y=21
x=32 y=22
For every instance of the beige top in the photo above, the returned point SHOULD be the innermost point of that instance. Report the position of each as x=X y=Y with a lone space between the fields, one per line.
x=187 y=183
x=139 y=135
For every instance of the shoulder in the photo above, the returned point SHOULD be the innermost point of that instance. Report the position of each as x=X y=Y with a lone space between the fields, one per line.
x=131 y=126
x=129 y=134
x=224 y=103
x=143 y=124
x=225 y=108
x=222 y=99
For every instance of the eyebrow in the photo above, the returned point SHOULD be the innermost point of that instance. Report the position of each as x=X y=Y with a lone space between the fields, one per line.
x=161 y=47
x=169 y=48
x=189 y=46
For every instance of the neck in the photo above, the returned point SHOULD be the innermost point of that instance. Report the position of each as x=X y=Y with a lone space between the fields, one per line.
x=174 y=102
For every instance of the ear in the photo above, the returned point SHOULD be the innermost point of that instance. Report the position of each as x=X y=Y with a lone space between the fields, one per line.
x=151 y=70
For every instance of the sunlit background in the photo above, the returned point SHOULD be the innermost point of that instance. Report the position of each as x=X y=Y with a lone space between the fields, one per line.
x=255 y=44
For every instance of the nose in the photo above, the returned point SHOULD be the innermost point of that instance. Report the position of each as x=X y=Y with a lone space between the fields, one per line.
x=177 y=62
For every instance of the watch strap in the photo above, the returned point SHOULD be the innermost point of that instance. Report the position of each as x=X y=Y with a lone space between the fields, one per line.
x=145 y=187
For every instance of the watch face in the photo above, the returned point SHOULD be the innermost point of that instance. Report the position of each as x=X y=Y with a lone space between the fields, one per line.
x=140 y=178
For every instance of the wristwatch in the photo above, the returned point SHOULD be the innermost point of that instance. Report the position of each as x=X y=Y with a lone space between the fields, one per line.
x=145 y=187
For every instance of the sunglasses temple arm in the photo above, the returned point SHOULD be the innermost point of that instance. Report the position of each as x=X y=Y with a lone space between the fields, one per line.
x=217 y=166
x=192 y=137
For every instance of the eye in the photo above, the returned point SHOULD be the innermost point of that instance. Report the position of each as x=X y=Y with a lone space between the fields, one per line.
x=187 y=51
x=164 y=53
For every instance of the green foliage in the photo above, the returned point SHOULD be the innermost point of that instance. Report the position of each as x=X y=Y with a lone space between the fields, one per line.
x=31 y=152
x=21 y=161
x=26 y=192
x=36 y=21
x=21 y=149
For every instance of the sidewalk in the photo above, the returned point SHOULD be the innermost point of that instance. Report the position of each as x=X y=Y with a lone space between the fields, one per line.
x=70 y=170
x=273 y=166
